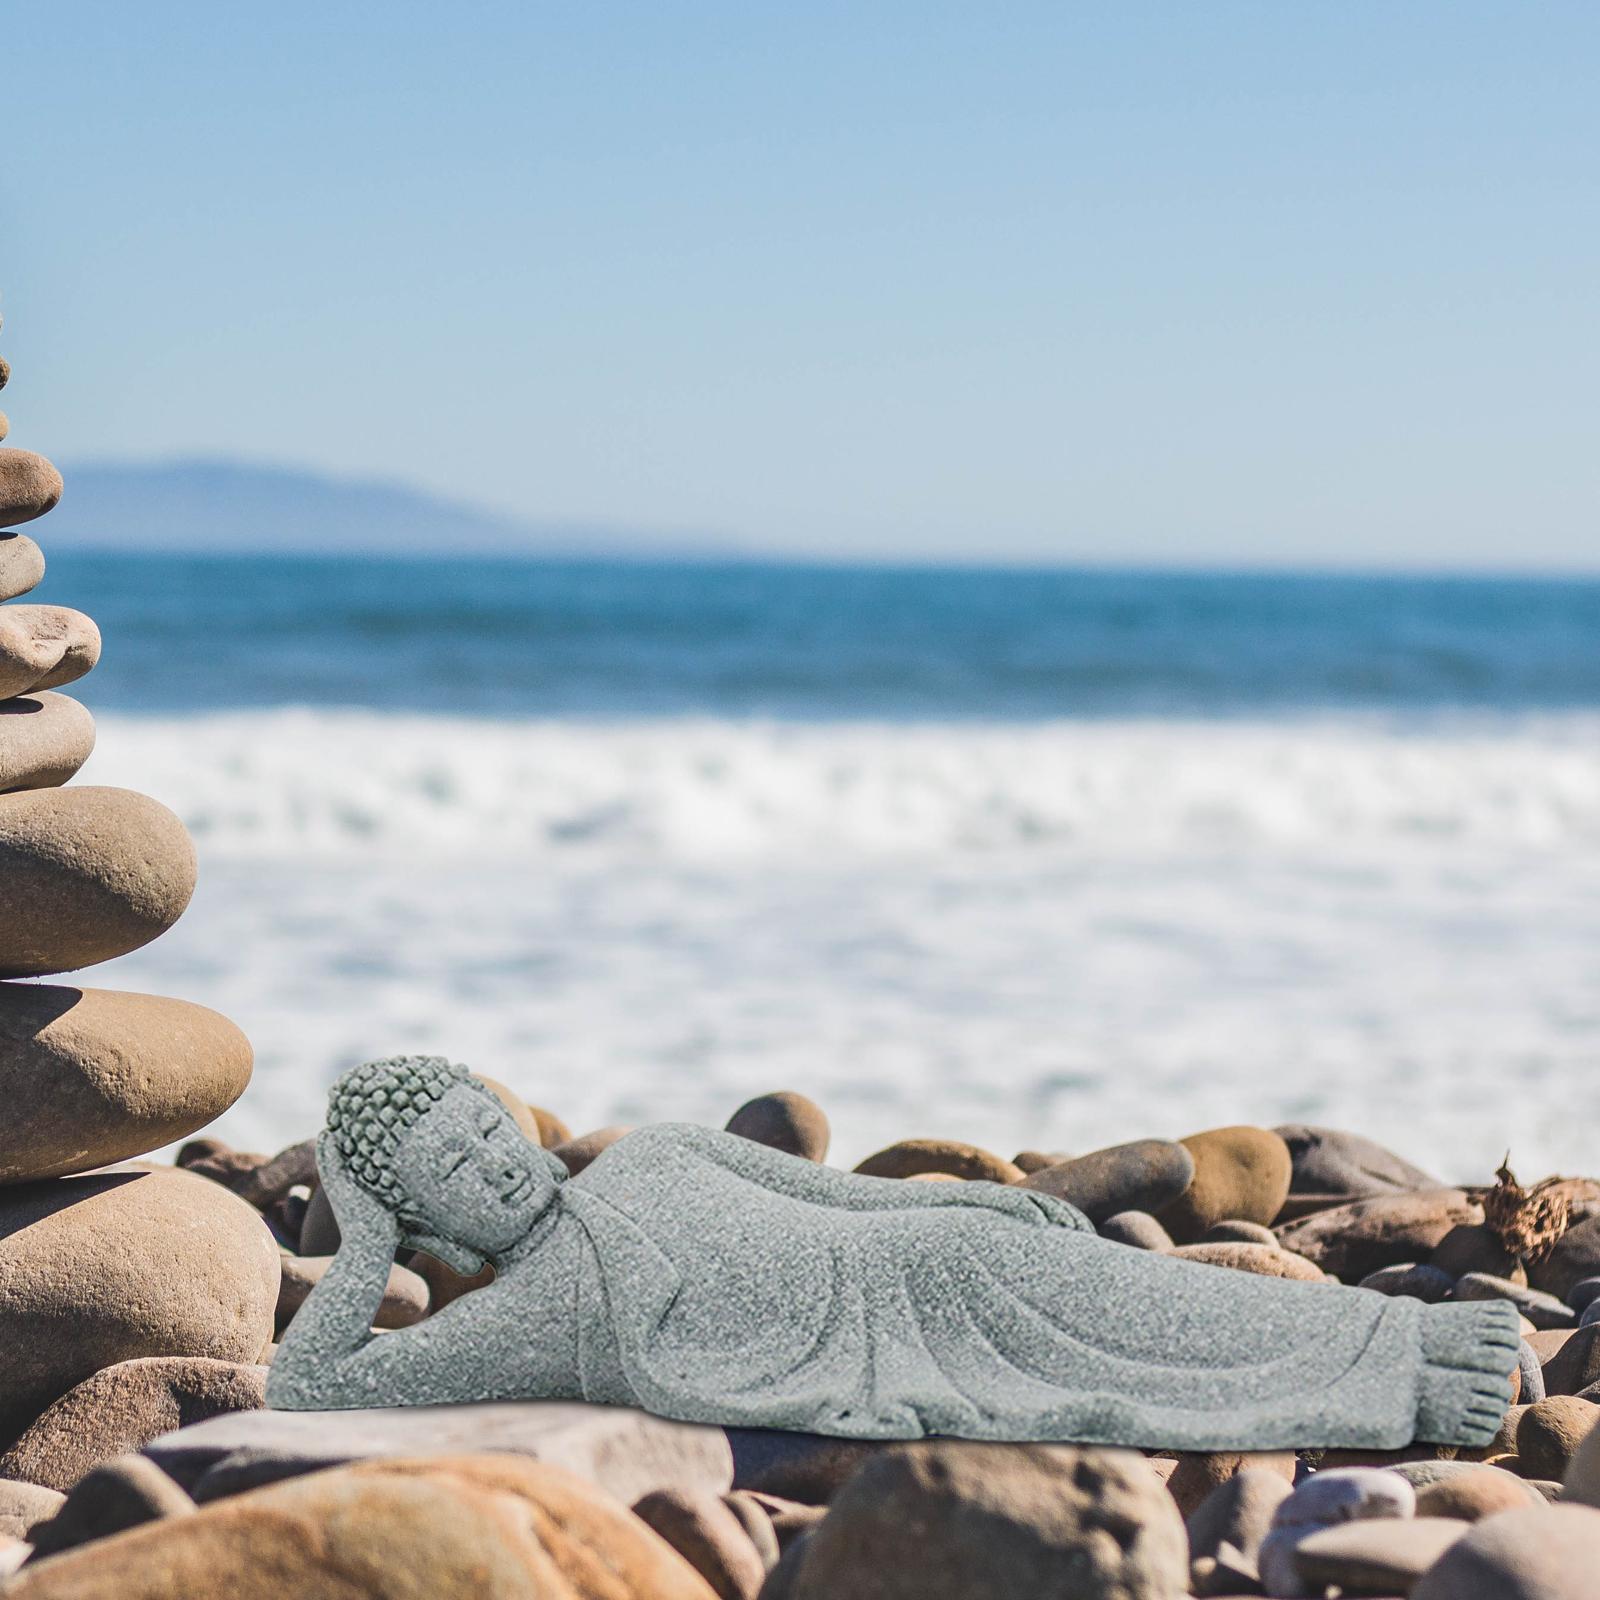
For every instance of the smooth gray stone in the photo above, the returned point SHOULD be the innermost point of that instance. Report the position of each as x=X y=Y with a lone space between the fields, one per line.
x=1532 y=1374
x=1419 y=1279
x=1136 y=1228
x=701 y=1276
x=1332 y=1161
x=1143 y=1176
x=1424 y=1474
x=626 y=1452
x=1583 y=1294
x=1542 y=1310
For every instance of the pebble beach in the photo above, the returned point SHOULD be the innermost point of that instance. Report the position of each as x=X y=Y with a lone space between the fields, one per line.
x=149 y=1267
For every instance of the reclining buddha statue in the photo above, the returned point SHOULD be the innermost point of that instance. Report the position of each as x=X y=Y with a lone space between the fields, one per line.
x=704 y=1277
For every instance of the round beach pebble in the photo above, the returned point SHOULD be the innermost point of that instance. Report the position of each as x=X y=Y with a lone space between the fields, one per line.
x=1332 y=1161
x=786 y=1121
x=1351 y=1241
x=29 y=487
x=87 y=874
x=1543 y=1310
x=1199 y=1473
x=1239 y=1172
x=968 y=1520
x=909 y=1157
x=94 y=1075
x=44 y=739
x=122 y=1408
x=124 y=1492
x=1384 y=1555
x=112 y=1266
x=709 y=1536
x=24 y=1504
x=1136 y=1228
x=1575 y=1257
x=1417 y=1280
x=405 y=1295
x=1238 y=1513
x=1552 y=1553
x=1266 y=1261
x=1142 y=1176
x=43 y=647
x=1549 y=1433
x=21 y=565
x=577 y=1153
x=1471 y=1496
x=492 y=1527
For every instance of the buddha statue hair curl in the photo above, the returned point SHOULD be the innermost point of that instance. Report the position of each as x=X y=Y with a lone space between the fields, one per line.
x=373 y=1106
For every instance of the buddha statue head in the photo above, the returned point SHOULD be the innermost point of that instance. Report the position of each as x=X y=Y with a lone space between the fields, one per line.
x=435 y=1147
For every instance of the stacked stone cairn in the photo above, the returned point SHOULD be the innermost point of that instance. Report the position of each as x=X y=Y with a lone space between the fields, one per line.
x=133 y=1297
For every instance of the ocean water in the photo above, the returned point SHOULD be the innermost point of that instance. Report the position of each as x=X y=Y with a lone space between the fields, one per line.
x=1041 y=859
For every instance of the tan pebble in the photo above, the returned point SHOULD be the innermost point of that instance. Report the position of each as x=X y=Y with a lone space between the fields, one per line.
x=120 y=1265
x=910 y=1156
x=1471 y=1495
x=405 y=1296
x=44 y=647
x=954 y=1519
x=29 y=487
x=1263 y=1260
x=24 y=1504
x=86 y=874
x=1240 y=1173
x=1374 y=1555
x=44 y=740
x=519 y=1530
x=125 y=1492
x=1031 y=1161
x=95 y=1076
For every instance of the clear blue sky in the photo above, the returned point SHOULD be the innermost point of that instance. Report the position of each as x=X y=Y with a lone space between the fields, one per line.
x=1287 y=281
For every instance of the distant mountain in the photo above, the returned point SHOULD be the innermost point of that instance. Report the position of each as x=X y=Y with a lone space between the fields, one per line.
x=231 y=506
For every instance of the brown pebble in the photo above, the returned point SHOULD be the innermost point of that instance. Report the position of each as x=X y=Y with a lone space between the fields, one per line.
x=1549 y=1433
x=552 y=1130
x=787 y=1518
x=757 y=1524
x=44 y=647
x=910 y=1156
x=44 y=739
x=125 y=1492
x=1356 y=1239
x=1031 y=1161
x=578 y=1153
x=709 y=1536
x=786 y=1121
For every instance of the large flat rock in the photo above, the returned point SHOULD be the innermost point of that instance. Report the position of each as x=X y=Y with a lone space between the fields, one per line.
x=626 y=1452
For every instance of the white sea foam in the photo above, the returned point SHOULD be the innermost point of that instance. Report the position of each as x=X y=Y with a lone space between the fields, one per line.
x=327 y=783
x=1052 y=935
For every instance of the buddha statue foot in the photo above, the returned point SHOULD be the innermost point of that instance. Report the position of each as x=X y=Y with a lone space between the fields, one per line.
x=1467 y=1352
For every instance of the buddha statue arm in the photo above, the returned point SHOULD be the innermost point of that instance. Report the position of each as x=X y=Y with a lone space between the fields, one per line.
x=331 y=1347
x=816 y=1184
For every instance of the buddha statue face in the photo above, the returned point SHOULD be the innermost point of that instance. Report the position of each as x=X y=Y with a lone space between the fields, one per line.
x=439 y=1152
x=470 y=1177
